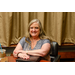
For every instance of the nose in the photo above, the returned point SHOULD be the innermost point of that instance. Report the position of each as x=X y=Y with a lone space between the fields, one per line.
x=33 y=29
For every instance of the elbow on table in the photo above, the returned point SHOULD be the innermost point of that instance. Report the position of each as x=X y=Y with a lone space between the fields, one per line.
x=43 y=54
x=14 y=54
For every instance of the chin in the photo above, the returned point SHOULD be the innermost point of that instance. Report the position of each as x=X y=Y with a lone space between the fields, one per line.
x=33 y=35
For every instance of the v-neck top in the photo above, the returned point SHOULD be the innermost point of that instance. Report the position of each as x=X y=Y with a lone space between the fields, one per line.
x=38 y=45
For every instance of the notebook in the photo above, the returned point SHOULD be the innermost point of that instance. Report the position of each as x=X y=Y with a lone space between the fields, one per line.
x=31 y=59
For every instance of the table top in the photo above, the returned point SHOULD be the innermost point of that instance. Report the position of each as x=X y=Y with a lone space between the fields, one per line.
x=13 y=59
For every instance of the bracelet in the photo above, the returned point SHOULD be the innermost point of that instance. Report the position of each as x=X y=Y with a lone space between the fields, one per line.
x=18 y=54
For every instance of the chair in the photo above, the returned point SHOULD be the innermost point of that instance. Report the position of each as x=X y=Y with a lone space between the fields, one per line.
x=54 y=52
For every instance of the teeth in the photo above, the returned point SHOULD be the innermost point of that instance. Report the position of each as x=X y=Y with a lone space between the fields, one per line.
x=33 y=32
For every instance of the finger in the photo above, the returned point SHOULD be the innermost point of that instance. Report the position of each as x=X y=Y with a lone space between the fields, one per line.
x=25 y=57
x=21 y=56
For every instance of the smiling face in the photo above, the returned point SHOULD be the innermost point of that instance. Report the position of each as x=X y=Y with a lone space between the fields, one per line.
x=34 y=29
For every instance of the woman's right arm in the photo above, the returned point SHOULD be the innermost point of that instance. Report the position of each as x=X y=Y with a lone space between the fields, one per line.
x=19 y=52
x=17 y=49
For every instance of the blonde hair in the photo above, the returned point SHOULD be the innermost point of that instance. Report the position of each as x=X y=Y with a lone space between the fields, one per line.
x=42 y=34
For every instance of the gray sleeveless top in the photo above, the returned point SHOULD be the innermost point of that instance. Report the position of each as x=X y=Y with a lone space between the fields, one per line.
x=38 y=45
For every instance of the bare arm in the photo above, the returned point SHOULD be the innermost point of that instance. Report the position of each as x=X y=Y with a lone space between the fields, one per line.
x=17 y=49
x=40 y=52
x=22 y=54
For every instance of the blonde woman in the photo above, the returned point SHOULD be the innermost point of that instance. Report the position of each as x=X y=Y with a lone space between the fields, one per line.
x=36 y=43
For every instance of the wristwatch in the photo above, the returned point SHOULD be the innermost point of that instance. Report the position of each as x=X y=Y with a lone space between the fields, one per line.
x=27 y=52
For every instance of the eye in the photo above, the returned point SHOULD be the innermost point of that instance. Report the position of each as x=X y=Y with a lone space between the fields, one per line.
x=36 y=27
x=31 y=27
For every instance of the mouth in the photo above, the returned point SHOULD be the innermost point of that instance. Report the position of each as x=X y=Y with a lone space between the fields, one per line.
x=34 y=32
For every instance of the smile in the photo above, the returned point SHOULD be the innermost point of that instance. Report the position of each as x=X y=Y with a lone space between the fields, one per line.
x=33 y=32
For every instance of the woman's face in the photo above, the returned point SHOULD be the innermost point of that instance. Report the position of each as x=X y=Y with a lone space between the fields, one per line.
x=34 y=30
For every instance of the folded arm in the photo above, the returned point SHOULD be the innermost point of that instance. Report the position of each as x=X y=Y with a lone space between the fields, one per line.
x=17 y=50
x=38 y=52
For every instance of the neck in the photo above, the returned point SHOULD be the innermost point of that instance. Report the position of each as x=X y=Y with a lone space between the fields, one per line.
x=35 y=38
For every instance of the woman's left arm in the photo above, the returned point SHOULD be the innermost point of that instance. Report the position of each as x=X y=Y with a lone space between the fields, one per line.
x=40 y=52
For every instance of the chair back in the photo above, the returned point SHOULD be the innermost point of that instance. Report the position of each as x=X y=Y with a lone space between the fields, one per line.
x=54 y=49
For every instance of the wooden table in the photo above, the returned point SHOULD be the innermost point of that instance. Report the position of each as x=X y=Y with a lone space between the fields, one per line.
x=13 y=59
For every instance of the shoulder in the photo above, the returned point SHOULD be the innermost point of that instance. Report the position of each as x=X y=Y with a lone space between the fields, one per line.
x=22 y=40
x=45 y=41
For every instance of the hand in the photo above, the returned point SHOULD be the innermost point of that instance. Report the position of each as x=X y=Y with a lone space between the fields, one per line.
x=24 y=56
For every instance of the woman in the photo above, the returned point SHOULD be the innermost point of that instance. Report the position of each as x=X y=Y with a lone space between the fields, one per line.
x=36 y=43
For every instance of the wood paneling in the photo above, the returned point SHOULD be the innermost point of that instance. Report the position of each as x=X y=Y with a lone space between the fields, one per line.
x=67 y=54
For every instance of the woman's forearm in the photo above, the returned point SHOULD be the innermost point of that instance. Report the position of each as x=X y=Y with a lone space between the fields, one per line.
x=15 y=52
x=38 y=52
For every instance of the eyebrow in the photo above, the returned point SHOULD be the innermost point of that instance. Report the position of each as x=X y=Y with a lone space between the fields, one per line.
x=35 y=27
